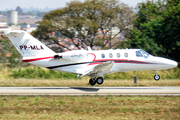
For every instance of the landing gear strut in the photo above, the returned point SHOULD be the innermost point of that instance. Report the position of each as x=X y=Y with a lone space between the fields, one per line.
x=98 y=80
x=156 y=77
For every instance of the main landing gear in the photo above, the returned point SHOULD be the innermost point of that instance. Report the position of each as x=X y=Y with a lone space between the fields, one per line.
x=156 y=76
x=98 y=80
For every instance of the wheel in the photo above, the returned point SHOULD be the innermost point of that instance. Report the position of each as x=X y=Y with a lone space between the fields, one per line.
x=99 y=80
x=156 y=77
x=92 y=81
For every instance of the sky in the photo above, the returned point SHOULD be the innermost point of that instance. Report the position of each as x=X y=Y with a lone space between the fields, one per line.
x=12 y=4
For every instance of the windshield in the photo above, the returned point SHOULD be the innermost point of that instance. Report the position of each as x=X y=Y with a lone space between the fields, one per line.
x=144 y=53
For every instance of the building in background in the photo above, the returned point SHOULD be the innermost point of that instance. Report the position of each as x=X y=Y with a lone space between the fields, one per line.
x=3 y=24
x=12 y=18
x=19 y=10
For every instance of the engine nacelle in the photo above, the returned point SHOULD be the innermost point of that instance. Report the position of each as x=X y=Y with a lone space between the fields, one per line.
x=76 y=55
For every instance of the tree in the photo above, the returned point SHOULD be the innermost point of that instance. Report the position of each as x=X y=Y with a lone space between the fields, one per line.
x=23 y=23
x=88 y=23
x=41 y=14
x=9 y=55
x=156 y=28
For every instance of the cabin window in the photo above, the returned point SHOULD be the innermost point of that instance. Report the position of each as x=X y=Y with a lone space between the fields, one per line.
x=103 y=55
x=125 y=54
x=110 y=55
x=138 y=54
x=118 y=55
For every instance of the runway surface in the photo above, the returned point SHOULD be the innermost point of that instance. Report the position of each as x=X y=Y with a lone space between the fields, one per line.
x=89 y=90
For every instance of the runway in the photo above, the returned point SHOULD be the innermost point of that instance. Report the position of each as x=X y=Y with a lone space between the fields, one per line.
x=89 y=90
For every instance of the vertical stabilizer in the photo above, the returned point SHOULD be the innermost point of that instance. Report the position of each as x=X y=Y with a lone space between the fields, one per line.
x=27 y=45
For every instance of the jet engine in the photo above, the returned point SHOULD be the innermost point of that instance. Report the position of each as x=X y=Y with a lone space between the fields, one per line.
x=77 y=55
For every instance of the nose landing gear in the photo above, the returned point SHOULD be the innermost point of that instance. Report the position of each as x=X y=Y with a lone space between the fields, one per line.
x=156 y=76
x=98 y=80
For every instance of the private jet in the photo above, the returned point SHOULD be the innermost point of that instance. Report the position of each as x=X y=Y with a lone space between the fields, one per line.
x=93 y=63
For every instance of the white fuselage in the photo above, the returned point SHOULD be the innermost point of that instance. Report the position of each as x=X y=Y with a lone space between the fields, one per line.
x=93 y=63
x=124 y=60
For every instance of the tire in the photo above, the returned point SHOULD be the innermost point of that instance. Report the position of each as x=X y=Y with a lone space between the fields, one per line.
x=156 y=77
x=92 y=81
x=99 y=80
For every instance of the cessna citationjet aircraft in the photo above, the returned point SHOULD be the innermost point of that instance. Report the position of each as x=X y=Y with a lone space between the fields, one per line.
x=93 y=63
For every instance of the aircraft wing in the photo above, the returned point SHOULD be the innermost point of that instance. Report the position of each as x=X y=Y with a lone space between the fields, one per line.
x=103 y=67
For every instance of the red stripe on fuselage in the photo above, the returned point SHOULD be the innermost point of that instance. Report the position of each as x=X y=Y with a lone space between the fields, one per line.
x=36 y=59
x=99 y=61
x=94 y=63
x=111 y=60
x=94 y=56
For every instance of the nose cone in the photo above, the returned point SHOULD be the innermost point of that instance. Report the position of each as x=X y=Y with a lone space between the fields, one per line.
x=170 y=63
x=173 y=63
x=163 y=63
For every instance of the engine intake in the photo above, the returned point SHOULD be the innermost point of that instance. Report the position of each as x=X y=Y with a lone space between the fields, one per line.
x=57 y=56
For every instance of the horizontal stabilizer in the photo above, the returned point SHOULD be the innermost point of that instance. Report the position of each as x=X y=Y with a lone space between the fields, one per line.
x=14 y=32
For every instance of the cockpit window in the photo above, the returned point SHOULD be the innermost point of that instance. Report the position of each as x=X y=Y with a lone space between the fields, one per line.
x=138 y=54
x=144 y=53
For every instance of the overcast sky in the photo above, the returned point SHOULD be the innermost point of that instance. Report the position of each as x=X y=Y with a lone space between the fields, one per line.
x=12 y=4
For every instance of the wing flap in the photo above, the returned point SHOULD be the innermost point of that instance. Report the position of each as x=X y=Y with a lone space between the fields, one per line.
x=104 y=67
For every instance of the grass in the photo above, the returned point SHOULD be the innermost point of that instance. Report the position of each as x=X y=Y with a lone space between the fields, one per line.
x=4 y=72
x=90 y=107
x=35 y=72
x=83 y=82
x=37 y=76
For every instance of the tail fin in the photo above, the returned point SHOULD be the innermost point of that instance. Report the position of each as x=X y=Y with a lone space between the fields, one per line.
x=27 y=45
